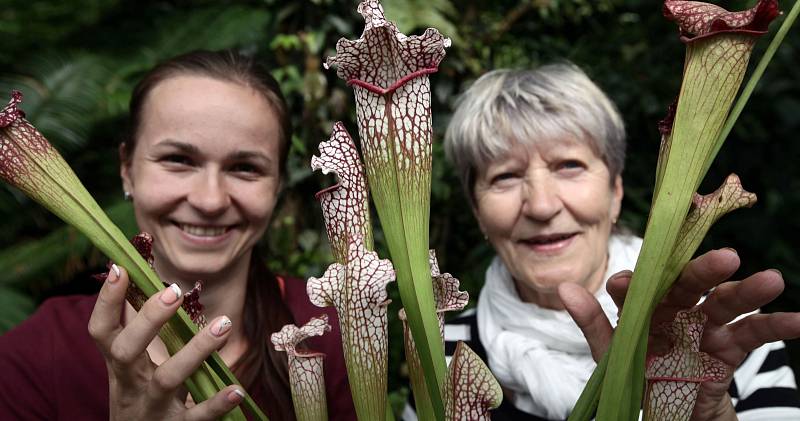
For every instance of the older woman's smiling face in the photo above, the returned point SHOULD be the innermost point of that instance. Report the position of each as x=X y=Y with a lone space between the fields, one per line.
x=548 y=209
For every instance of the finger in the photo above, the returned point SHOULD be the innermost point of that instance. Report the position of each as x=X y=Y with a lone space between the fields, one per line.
x=169 y=376
x=732 y=299
x=104 y=323
x=589 y=316
x=757 y=329
x=700 y=275
x=217 y=406
x=732 y=343
x=617 y=287
x=134 y=338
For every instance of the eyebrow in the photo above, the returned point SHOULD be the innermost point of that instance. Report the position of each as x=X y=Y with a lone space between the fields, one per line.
x=250 y=155
x=189 y=148
x=181 y=146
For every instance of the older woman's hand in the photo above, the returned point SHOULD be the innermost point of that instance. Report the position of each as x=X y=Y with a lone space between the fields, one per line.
x=140 y=390
x=723 y=338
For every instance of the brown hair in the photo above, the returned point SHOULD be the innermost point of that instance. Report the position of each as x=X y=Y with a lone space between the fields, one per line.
x=261 y=369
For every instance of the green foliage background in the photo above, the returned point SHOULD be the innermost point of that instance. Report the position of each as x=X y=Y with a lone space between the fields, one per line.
x=76 y=62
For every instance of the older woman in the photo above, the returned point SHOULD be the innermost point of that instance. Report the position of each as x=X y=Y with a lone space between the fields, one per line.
x=540 y=154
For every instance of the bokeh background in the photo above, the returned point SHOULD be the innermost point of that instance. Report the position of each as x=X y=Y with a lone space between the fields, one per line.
x=76 y=62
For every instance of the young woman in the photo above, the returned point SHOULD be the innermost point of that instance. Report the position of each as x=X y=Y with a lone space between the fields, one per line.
x=203 y=166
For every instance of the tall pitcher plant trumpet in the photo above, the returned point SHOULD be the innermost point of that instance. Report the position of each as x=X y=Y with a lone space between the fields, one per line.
x=389 y=74
x=718 y=48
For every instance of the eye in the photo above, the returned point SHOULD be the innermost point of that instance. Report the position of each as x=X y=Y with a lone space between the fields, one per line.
x=499 y=178
x=177 y=160
x=505 y=180
x=246 y=168
x=503 y=173
x=570 y=165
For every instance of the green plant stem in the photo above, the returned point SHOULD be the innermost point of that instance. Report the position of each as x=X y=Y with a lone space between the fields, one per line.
x=389 y=412
x=587 y=403
x=753 y=81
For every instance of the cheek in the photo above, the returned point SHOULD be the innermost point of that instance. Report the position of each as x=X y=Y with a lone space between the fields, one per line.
x=158 y=197
x=150 y=211
x=590 y=204
x=497 y=212
x=158 y=189
x=258 y=202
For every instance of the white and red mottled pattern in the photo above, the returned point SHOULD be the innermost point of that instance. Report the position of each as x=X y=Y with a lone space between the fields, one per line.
x=10 y=112
x=345 y=205
x=143 y=243
x=471 y=389
x=698 y=19
x=673 y=379
x=358 y=291
x=306 y=375
x=192 y=305
x=448 y=298
x=445 y=288
x=22 y=149
x=383 y=56
x=703 y=213
x=445 y=293
x=707 y=209
x=389 y=74
x=719 y=44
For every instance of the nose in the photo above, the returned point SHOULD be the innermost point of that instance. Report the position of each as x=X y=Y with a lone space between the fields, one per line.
x=209 y=194
x=540 y=199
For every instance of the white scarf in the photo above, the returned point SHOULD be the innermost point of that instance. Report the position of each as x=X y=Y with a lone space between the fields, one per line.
x=541 y=354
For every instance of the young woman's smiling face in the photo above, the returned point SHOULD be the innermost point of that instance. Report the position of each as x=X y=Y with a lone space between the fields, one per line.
x=548 y=209
x=204 y=174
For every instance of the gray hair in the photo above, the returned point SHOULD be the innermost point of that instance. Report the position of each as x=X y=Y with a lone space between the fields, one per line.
x=505 y=107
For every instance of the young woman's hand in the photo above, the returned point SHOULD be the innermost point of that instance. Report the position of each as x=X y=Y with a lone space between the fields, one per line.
x=138 y=389
x=723 y=339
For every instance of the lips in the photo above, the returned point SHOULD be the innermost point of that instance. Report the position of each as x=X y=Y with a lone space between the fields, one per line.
x=204 y=231
x=549 y=243
x=548 y=239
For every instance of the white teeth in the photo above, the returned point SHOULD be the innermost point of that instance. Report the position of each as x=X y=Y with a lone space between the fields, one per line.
x=203 y=231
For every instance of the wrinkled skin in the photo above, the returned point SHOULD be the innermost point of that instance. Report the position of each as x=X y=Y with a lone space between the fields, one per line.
x=726 y=341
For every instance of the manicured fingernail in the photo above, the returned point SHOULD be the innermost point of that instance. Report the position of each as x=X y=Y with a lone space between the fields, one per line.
x=235 y=396
x=730 y=249
x=171 y=294
x=776 y=271
x=113 y=274
x=222 y=326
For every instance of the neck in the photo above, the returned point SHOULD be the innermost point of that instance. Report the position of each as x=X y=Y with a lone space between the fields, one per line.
x=225 y=297
x=221 y=294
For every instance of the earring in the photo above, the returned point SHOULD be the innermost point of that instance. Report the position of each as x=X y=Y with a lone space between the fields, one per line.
x=126 y=195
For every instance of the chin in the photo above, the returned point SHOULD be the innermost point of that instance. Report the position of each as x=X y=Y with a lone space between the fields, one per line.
x=547 y=288
x=201 y=269
x=551 y=278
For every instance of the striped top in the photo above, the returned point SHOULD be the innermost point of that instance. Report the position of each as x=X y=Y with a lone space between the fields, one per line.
x=763 y=386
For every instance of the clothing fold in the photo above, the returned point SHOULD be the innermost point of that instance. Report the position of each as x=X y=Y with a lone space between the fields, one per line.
x=536 y=351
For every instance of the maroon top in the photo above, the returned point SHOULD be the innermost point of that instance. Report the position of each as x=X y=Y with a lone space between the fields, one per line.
x=51 y=369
